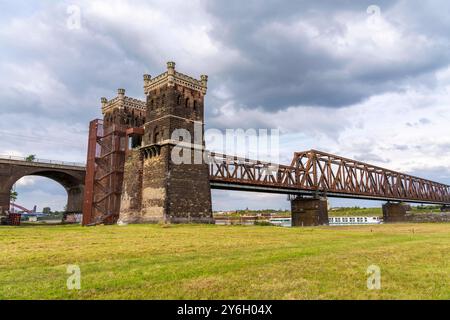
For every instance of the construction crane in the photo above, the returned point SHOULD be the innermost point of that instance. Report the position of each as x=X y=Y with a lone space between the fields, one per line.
x=15 y=205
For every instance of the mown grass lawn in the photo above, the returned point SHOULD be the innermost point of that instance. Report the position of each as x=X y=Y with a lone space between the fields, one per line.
x=225 y=262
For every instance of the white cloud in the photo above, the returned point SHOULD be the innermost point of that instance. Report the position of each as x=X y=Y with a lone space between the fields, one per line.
x=41 y=192
x=26 y=181
x=403 y=131
x=160 y=31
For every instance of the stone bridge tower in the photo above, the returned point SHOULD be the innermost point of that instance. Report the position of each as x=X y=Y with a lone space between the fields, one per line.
x=157 y=187
x=107 y=145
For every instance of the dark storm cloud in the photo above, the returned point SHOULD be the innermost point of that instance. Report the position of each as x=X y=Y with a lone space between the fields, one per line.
x=276 y=71
x=60 y=73
x=273 y=70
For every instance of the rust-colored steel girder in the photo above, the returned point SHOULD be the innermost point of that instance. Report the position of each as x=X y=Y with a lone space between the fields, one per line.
x=322 y=174
x=104 y=173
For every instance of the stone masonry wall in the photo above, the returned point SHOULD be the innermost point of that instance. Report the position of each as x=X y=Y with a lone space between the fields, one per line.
x=131 y=198
x=154 y=194
x=394 y=212
x=189 y=193
x=428 y=217
x=309 y=212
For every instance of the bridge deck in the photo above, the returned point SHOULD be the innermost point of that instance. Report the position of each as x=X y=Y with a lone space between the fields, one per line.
x=323 y=174
x=51 y=164
x=312 y=173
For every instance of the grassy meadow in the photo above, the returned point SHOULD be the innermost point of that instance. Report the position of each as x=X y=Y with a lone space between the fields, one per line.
x=225 y=262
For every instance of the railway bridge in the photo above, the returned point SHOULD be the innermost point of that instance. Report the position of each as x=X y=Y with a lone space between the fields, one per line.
x=132 y=178
x=69 y=174
x=313 y=176
x=130 y=175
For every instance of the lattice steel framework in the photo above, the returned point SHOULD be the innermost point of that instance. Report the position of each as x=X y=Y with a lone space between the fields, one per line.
x=104 y=173
x=322 y=174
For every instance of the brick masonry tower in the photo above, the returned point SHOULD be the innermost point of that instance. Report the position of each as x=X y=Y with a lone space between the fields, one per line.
x=107 y=148
x=156 y=188
x=124 y=111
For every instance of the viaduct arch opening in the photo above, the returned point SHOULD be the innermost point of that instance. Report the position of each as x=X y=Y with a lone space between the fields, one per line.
x=36 y=192
x=73 y=183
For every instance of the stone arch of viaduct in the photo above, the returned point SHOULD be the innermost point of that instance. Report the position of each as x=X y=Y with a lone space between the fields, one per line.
x=70 y=177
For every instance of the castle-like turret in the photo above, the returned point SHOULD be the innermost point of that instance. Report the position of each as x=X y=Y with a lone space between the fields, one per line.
x=156 y=187
x=123 y=110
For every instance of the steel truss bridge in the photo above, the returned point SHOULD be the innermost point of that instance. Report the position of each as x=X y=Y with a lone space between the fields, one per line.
x=311 y=173
x=316 y=173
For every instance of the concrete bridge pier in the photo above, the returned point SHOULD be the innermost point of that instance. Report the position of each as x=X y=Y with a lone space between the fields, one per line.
x=75 y=199
x=394 y=212
x=309 y=212
x=4 y=201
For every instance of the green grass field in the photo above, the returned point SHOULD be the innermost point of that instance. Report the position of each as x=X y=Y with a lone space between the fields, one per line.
x=225 y=262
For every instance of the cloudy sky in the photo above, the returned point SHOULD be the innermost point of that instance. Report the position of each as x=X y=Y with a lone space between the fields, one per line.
x=368 y=80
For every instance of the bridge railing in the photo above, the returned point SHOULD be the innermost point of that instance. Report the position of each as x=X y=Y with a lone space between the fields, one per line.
x=46 y=161
x=233 y=169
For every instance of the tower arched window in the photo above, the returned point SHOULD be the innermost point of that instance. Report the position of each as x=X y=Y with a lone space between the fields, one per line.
x=156 y=135
x=186 y=102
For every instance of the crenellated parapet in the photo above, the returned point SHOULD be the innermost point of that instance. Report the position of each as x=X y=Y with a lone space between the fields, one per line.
x=123 y=110
x=171 y=78
x=122 y=102
x=156 y=187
